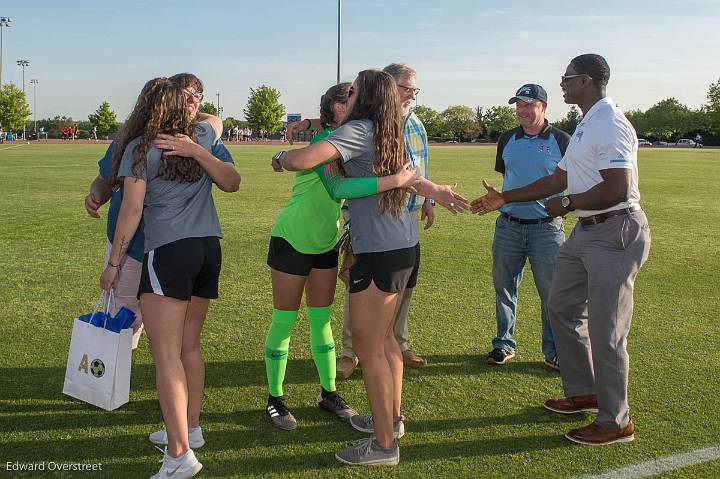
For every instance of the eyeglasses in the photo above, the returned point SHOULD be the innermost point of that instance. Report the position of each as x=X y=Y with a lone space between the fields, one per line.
x=414 y=91
x=565 y=78
x=198 y=97
x=351 y=92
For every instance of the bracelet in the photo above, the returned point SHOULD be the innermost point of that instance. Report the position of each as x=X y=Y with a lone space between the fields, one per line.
x=113 y=265
x=277 y=157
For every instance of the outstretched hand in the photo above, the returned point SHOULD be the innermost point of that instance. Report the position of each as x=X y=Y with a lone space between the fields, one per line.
x=452 y=201
x=492 y=200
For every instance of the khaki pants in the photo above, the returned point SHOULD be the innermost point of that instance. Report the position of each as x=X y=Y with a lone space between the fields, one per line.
x=591 y=307
x=401 y=319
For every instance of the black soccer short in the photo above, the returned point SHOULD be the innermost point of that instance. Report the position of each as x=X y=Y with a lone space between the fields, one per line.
x=184 y=268
x=392 y=271
x=283 y=257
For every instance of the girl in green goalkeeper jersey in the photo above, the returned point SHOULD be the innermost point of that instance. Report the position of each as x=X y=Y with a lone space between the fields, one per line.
x=302 y=257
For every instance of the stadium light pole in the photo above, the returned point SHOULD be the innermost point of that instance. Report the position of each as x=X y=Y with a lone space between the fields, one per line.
x=218 y=101
x=339 y=32
x=22 y=64
x=4 y=22
x=34 y=84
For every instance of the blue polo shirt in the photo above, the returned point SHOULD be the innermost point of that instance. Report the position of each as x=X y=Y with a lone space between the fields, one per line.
x=137 y=243
x=523 y=159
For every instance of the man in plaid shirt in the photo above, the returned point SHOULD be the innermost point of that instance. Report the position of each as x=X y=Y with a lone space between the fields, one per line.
x=416 y=144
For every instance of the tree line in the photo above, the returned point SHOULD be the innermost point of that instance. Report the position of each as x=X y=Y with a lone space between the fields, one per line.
x=666 y=120
x=263 y=112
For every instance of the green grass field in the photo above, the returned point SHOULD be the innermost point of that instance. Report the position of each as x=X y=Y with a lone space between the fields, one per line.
x=464 y=418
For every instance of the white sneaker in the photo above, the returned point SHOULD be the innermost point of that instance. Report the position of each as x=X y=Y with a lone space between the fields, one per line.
x=181 y=467
x=195 y=436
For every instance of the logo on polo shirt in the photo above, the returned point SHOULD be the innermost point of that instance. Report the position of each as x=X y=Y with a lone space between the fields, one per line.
x=579 y=135
x=619 y=159
x=545 y=149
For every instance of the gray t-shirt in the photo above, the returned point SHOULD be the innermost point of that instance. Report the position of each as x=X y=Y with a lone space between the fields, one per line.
x=371 y=232
x=175 y=210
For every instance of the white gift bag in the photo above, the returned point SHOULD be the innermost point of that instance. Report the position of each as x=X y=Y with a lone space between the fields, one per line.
x=99 y=363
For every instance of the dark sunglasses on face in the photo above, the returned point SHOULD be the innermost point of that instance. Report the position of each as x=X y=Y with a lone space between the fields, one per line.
x=351 y=92
x=565 y=78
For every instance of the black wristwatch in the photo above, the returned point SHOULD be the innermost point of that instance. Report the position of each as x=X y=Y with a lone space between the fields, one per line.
x=566 y=203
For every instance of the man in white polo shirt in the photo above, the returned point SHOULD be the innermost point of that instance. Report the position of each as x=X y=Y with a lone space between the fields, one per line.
x=591 y=298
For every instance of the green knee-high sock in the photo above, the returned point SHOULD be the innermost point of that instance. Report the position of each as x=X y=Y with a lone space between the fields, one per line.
x=277 y=343
x=323 y=345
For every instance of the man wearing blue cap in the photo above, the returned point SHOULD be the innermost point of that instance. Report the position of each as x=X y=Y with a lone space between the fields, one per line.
x=524 y=230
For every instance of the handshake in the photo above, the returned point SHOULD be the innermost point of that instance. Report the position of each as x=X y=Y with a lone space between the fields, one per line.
x=494 y=199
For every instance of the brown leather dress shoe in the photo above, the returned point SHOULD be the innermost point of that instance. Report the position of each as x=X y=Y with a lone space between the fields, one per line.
x=573 y=404
x=594 y=435
x=345 y=367
x=412 y=360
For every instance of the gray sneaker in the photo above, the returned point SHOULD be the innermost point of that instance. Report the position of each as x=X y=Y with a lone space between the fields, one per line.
x=365 y=424
x=335 y=404
x=367 y=452
x=280 y=415
x=195 y=437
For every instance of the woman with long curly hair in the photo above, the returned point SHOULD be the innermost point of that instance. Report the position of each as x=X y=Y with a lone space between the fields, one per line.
x=168 y=177
x=302 y=257
x=368 y=143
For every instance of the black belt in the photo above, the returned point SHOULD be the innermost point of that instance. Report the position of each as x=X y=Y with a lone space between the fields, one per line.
x=538 y=221
x=597 y=219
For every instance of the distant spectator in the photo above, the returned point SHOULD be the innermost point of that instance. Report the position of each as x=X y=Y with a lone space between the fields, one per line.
x=698 y=140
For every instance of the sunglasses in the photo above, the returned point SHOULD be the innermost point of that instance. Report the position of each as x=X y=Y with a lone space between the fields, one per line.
x=351 y=92
x=565 y=78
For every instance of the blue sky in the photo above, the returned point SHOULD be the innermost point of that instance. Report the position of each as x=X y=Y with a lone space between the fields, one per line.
x=465 y=52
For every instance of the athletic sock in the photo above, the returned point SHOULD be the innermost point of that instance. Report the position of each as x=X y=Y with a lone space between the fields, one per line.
x=277 y=344
x=323 y=345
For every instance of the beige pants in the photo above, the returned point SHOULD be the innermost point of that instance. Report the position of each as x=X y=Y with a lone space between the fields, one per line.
x=126 y=288
x=401 y=320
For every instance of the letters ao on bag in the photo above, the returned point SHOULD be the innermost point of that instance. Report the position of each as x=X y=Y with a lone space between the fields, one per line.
x=99 y=361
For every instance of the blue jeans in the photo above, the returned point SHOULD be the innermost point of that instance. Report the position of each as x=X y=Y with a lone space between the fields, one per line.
x=512 y=245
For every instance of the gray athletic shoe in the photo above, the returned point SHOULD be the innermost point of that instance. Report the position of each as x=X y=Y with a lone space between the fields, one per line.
x=195 y=437
x=280 y=415
x=365 y=424
x=367 y=452
x=335 y=404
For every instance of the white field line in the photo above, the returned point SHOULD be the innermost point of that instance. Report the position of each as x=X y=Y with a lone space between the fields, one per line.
x=661 y=465
x=13 y=146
